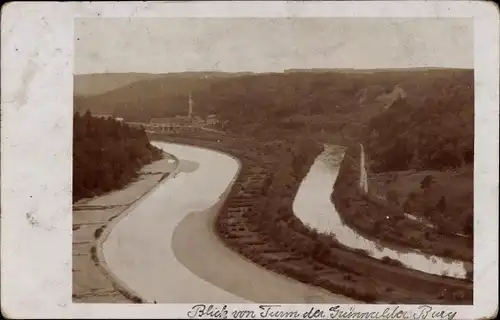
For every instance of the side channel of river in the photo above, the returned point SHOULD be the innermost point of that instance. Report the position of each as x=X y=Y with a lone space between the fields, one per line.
x=313 y=206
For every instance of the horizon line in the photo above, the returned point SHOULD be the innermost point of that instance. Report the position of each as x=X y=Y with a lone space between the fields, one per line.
x=276 y=72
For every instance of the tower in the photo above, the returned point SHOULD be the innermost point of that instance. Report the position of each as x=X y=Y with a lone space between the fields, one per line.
x=190 y=112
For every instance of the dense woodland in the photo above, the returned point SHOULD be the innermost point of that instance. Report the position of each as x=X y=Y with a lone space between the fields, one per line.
x=437 y=134
x=262 y=104
x=429 y=148
x=107 y=154
x=432 y=128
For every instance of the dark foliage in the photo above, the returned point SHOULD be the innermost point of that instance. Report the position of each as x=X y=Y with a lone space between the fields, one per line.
x=368 y=216
x=272 y=103
x=437 y=134
x=426 y=182
x=107 y=155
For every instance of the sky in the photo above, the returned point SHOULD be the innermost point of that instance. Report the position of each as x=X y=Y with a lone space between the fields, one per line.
x=161 y=45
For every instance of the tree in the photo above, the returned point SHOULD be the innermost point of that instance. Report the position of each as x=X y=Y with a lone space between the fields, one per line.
x=468 y=227
x=392 y=196
x=426 y=182
x=441 y=205
x=106 y=154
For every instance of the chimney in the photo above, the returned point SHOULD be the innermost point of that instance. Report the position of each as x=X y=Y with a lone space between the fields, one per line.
x=190 y=113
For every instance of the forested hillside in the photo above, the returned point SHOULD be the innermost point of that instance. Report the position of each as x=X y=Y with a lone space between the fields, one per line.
x=263 y=103
x=107 y=155
x=421 y=155
x=158 y=95
x=437 y=134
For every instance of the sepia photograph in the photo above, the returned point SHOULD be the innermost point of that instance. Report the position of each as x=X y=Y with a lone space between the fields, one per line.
x=292 y=160
x=250 y=160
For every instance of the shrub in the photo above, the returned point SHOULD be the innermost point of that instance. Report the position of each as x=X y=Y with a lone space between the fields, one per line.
x=448 y=252
x=361 y=252
x=469 y=275
x=441 y=205
x=426 y=182
x=392 y=262
x=458 y=296
x=98 y=232
x=468 y=226
x=93 y=254
x=392 y=196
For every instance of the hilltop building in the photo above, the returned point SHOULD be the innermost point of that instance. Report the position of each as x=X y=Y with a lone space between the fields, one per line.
x=391 y=98
x=212 y=120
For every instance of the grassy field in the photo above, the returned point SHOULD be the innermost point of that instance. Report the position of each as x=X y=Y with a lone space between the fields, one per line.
x=379 y=215
x=447 y=204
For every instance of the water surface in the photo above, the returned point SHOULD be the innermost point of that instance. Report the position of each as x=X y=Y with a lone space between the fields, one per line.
x=313 y=206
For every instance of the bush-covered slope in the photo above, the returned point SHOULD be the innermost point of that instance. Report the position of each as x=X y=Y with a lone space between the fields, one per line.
x=437 y=134
x=107 y=155
x=420 y=163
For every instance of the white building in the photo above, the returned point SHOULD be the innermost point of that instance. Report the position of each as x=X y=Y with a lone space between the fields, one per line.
x=212 y=120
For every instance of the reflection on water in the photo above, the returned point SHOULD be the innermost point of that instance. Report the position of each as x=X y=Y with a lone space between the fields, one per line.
x=312 y=205
x=187 y=166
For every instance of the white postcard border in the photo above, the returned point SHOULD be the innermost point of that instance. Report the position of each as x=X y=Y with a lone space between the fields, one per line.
x=37 y=80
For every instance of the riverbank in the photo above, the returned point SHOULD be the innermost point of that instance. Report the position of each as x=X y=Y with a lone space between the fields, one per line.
x=387 y=224
x=91 y=221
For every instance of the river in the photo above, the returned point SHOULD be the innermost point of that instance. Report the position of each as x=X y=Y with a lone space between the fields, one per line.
x=313 y=206
x=164 y=249
x=138 y=249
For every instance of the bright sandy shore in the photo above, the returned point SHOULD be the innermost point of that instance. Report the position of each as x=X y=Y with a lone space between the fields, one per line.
x=90 y=282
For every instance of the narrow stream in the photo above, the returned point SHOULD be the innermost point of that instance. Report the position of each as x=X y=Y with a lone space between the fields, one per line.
x=313 y=206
